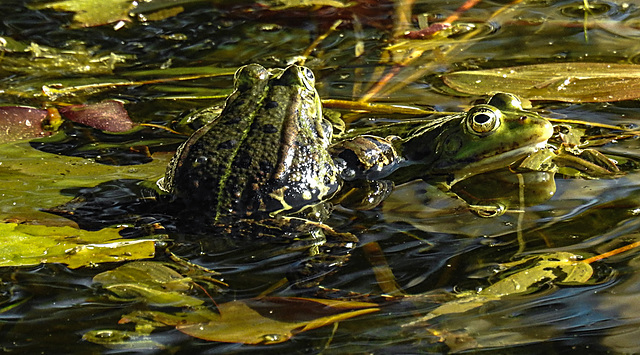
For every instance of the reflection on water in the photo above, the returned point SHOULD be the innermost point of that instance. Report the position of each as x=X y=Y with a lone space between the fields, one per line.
x=438 y=244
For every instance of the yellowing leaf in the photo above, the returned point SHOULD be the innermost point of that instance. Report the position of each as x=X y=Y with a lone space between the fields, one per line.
x=271 y=320
x=267 y=320
x=24 y=245
x=572 y=82
x=558 y=268
x=561 y=267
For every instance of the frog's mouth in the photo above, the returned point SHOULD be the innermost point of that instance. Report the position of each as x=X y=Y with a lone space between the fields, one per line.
x=496 y=162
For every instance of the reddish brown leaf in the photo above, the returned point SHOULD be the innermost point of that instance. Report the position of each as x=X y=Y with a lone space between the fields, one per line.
x=109 y=116
x=21 y=122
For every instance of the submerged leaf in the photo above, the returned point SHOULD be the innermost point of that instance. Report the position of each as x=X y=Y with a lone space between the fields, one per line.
x=572 y=82
x=152 y=282
x=287 y=4
x=122 y=339
x=24 y=245
x=39 y=60
x=108 y=115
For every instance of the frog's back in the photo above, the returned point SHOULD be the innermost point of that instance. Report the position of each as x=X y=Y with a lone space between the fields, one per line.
x=257 y=156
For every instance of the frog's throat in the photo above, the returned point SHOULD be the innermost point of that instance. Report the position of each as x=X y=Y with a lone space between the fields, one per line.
x=495 y=162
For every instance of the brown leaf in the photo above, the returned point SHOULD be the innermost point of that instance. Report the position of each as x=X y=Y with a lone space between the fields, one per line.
x=21 y=122
x=109 y=115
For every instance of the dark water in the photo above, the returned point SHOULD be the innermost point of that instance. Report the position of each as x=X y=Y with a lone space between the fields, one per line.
x=433 y=244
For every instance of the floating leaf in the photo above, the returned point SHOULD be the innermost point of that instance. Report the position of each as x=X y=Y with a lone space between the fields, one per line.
x=90 y=13
x=108 y=115
x=572 y=82
x=32 y=180
x=21 y=122
x=24 y=245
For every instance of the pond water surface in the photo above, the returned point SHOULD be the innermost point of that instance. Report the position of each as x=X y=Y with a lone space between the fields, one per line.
x=438 y=249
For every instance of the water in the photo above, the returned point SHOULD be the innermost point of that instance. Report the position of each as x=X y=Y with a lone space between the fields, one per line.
x=434 y=245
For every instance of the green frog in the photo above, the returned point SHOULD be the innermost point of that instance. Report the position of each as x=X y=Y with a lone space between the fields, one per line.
x=485 y=138
x=265 y=155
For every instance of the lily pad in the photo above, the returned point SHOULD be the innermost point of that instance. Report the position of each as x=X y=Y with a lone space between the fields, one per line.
x=24 y=245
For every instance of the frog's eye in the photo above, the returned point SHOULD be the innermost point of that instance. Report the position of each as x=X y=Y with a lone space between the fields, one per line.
x=309 y=78
x=249 y=74
x=308 y=73
x=483 y=119
x=506 y=101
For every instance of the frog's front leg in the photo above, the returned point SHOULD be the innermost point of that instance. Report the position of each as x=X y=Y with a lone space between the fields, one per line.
x=364 y=157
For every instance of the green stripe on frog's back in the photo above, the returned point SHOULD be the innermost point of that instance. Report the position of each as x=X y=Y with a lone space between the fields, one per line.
x=202 y=167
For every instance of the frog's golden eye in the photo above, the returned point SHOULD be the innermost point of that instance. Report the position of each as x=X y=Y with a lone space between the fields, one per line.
x=308 y=73
x=483 y=119
x=309 y=78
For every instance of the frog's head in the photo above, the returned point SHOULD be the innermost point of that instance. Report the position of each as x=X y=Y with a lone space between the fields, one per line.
x=487 y=137
x=295 y=75
x=493 y=135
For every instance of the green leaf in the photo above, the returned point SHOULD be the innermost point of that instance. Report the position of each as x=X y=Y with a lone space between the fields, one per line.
x=32 y=180
x=24 y=245
x=571 y=82
x=122 y=339
x=522 y=276
x=90 y=13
